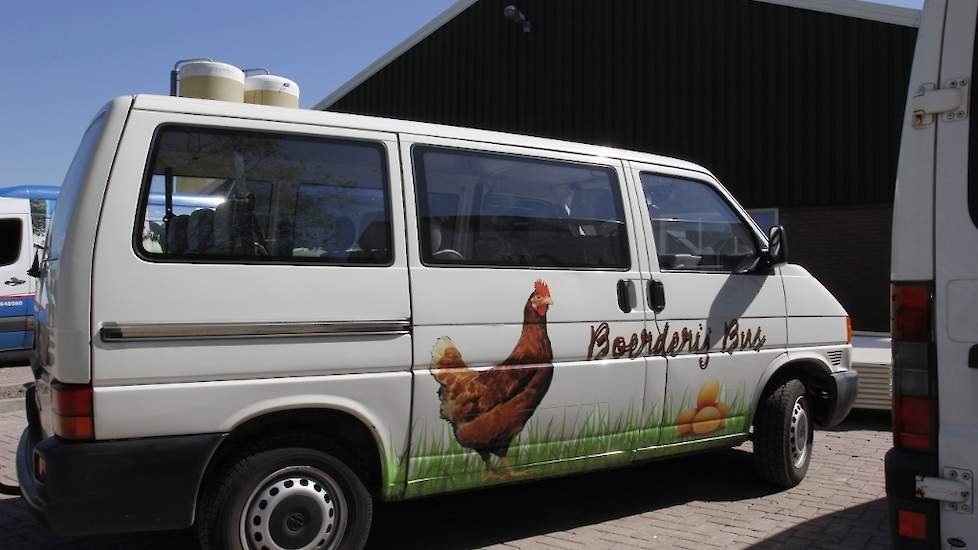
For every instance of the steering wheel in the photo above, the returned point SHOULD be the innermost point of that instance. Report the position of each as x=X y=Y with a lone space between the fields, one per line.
x=448 y=255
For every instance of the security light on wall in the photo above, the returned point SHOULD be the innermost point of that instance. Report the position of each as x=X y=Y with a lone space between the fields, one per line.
x=514 y=15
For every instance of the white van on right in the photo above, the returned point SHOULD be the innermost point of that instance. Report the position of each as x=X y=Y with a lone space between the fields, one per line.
x=930 y=470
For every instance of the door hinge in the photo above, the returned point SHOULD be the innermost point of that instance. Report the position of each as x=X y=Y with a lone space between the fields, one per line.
x=954 y=490
x=950 y=102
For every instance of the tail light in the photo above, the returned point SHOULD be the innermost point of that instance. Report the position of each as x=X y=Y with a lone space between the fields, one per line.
x=74 y=414
x=914 y=375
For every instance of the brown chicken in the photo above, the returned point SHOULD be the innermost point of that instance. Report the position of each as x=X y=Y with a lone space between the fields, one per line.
x=488 y=408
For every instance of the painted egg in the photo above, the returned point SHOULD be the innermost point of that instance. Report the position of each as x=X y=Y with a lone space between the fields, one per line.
x=708 y=393
x=706 y=421
x=684 y=421
x=724 y=413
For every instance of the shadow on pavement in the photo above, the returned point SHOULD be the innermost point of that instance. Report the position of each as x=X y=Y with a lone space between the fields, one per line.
x=483 y=518
x=864 y=419
x=829 y=530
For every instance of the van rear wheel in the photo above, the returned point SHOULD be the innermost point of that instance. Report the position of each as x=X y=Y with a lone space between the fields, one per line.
x=286 y=498
x=783 y=435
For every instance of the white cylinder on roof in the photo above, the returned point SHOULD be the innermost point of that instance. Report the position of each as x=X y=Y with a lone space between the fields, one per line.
x=269 y=89
x=211 y=80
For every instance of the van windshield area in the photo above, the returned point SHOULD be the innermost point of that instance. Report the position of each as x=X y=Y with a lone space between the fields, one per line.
x=495 y=210
x=225 y=195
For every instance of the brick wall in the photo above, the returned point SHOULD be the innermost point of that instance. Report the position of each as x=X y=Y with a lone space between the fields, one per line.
x=848 y=250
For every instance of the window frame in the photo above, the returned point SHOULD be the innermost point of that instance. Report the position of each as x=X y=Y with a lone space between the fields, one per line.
x=144 y=191
x=420 y=184
x=724 y=195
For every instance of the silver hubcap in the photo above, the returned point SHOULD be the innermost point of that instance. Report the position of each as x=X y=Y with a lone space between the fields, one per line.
x=799 y=433
x=298 y=508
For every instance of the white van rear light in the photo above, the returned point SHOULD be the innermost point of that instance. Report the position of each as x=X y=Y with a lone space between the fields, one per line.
x=914 y=379
x=73 y=411
x=910 y=312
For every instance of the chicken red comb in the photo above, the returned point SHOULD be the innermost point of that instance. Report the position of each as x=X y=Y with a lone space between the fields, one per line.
x=541 y=288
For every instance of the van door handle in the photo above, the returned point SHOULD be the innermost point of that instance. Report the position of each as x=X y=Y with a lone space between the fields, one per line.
x=14 y=281
x=625 y=295
x=657 y=295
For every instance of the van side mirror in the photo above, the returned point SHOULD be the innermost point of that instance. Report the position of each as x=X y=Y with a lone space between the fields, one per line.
x=776 y=245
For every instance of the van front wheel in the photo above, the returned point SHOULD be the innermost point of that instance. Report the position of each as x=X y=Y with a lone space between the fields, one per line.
x=783 y=435
x=286 y=498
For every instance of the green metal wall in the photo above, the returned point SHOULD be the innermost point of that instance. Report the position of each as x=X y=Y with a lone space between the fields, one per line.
x=789 y=107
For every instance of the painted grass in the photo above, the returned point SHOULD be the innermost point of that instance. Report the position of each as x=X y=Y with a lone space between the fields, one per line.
x=594 y=439
x=739 y=412
x=543 y=449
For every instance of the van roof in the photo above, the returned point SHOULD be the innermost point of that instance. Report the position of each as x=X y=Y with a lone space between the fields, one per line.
x=342 y=120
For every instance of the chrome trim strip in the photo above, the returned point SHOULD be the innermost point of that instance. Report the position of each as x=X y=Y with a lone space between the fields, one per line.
x=114 y=332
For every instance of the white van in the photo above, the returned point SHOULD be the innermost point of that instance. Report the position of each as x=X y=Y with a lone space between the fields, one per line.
x=372 y=308
x=930 y=471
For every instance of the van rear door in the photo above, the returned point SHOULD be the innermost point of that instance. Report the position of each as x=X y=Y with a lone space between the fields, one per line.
x=956 y=269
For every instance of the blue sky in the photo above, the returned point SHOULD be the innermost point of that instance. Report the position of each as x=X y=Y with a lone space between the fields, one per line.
x=64 y=59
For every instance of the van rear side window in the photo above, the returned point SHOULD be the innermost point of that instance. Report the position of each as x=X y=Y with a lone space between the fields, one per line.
x=215 y=195
x=11 y=236
x=495 y=210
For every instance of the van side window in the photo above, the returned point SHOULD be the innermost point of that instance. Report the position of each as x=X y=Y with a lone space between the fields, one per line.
x=235 y=196
x=489 y=209
x=695 y=229
x=11 y=235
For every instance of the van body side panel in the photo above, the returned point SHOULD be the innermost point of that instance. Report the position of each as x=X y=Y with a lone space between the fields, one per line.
x=735 y=323
x=912 y=257
x=200 y=346
x=153 y=296
x=814 y=316
x=956 y=272
x=581 y=410
x=913 y=254
x=379 y=400
x=64 y=295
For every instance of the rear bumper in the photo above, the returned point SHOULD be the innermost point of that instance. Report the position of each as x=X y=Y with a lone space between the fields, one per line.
x=92 y=487
x=902 y=468
x=843 y=395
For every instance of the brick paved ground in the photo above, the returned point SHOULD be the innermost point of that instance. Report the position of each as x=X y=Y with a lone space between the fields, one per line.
x=700 y=502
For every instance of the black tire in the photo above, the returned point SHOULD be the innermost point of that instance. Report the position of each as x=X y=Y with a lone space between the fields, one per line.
x=783 y=435
x=294 y=515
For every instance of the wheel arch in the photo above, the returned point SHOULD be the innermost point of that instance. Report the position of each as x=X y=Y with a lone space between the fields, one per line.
x=346 y=431
x=813 y=372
